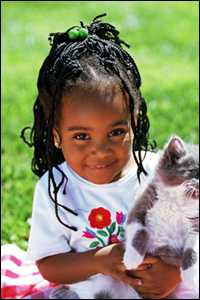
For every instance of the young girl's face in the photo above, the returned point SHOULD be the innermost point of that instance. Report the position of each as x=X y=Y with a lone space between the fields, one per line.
x=95 y=136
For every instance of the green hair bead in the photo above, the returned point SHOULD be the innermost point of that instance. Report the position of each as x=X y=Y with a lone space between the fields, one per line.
x=73 y=34
x=83 y=33
x=78 y=33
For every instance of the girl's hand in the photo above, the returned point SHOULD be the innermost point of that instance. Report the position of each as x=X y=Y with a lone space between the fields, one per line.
x=110 y=263
x=158 y=278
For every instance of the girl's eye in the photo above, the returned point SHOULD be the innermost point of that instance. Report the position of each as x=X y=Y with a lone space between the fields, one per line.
x=81 y=137
x=117 y=132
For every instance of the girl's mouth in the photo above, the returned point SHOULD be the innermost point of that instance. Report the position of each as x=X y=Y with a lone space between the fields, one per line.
x=101 y=166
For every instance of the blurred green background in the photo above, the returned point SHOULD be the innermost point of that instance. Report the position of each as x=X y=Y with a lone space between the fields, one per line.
x=164 y=42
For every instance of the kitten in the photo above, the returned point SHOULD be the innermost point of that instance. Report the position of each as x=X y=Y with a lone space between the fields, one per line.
x=164 y=222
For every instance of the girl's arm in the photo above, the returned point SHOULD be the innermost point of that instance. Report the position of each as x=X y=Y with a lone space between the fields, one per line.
x=73 y=267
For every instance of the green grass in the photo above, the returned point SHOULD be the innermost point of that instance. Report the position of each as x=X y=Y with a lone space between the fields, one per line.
x=164 y=42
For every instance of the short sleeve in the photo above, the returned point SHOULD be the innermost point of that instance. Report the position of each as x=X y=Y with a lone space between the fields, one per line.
x=47 y=235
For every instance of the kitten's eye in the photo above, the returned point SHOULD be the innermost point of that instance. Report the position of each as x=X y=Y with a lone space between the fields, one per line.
x=117 y=132
x=196 y=174
x=81 y=137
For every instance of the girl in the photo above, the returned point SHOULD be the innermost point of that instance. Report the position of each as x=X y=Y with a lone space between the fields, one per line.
x=90 y=139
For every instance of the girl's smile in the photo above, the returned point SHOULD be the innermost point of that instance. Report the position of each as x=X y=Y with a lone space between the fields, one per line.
x=95 y=136
x=101 y=166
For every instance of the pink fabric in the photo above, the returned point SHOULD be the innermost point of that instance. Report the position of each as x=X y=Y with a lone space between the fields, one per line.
x=20 y=279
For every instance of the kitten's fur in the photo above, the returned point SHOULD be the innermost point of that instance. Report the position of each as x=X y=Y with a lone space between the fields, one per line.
x=164 y=222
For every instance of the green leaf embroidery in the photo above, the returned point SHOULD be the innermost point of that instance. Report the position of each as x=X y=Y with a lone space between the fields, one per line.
x=121 y=235
x=120 y=230
x=94 y=244
x=112 y=227
x=102 y=232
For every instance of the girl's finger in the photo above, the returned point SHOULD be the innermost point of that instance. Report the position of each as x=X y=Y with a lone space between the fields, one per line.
x=146 y=264
x=152 y=296
x=122 y=268
x=148 y=296
x=149 y=289
x=134 y=282
x=143 y=266
x=150 y=260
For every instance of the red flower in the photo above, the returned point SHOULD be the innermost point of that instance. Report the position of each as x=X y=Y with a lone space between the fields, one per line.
x=99 y=218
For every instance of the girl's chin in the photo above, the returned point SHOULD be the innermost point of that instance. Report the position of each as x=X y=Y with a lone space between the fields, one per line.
x=106 y=181
x=99 y=175
x=102 y=179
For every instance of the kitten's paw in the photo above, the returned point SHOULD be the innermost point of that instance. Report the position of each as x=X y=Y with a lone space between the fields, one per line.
x=132 y=259
x=63 y=292
x=189 y=258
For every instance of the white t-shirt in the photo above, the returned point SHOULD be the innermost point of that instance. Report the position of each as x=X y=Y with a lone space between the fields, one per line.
x=101 y=208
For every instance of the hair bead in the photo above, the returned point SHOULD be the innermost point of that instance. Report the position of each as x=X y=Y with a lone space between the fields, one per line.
x=73 y=34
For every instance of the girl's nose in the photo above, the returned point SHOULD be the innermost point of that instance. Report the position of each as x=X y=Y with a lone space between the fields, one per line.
x=101 y=148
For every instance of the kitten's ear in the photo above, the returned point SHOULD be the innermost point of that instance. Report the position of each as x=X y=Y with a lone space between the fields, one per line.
x=175 y=148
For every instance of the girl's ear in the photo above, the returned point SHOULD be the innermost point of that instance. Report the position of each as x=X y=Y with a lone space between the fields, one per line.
x=57 y=139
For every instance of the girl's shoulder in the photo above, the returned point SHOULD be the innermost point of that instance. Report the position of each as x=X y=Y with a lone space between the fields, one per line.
x=46 y=182
x=151 y=160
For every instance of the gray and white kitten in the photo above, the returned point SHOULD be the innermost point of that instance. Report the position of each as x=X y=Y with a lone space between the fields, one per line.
x=164 y=222
x=165 y=219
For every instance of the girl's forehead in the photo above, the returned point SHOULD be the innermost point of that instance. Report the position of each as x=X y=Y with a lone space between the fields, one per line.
x=93 y=113
x=101 y=100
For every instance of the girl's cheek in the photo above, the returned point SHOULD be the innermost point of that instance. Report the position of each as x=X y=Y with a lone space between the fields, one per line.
x=80 y=148
x=71 y=148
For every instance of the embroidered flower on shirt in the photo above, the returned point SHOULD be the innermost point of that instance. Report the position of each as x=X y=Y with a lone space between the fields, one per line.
x=113 y=239
x=120 y=217
x=89 y=233
x=108 y=231
x=99 y=218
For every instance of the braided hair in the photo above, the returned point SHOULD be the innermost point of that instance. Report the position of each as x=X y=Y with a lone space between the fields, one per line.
x=72 y=63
